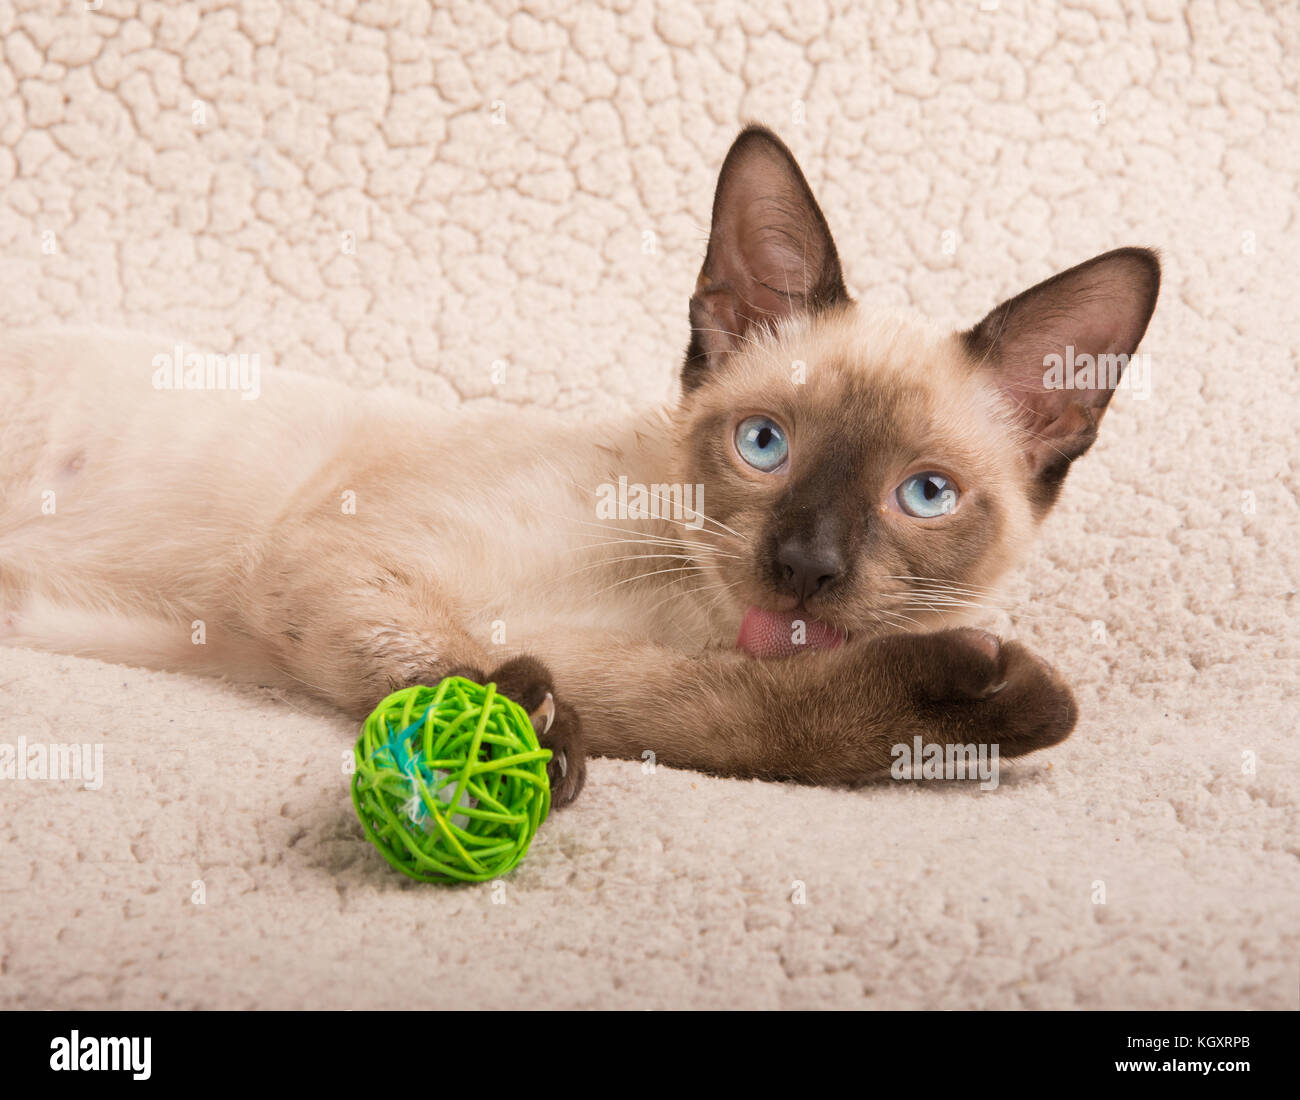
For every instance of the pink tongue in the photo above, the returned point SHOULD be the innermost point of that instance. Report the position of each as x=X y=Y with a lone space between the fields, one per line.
x=783 y=633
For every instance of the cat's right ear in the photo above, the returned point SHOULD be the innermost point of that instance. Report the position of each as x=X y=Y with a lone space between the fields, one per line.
x=770 y=253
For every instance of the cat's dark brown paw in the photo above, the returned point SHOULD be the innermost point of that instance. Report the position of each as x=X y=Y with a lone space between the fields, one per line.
x=978 y=689
x=1008 y=696
x=528 y=682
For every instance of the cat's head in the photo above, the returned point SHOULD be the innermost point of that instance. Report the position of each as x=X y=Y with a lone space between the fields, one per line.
x=870 y=473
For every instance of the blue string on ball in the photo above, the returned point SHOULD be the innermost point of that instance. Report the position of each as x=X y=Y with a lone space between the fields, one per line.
x=450 y=782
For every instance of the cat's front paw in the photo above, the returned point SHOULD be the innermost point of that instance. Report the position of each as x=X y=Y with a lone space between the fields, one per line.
x=971 y=687
x=527 y=681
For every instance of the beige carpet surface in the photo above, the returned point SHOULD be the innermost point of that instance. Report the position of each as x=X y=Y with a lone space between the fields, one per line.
x=384 y=192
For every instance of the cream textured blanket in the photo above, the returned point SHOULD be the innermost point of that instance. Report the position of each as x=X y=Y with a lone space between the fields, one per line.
x=383 y=191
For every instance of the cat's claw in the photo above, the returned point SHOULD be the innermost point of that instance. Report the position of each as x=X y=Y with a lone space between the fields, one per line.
x=544 y=716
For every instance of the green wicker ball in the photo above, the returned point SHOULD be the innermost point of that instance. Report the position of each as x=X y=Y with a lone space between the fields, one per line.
x=450 y=783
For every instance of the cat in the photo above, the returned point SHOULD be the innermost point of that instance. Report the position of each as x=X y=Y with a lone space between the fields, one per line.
x=758 y=582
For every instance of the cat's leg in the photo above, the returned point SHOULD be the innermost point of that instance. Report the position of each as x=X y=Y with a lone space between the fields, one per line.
x=351 y=630
x=822 y=717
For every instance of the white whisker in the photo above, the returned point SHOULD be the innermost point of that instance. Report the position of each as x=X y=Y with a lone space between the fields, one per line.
x=644 y=576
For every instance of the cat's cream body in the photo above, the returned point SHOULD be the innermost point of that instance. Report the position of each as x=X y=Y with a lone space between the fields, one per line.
x=127 y=513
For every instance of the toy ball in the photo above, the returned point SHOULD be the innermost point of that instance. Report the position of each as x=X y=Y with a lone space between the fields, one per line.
x=450 y=783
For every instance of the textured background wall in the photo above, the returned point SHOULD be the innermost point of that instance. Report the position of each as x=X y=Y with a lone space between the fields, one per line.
x=207 y=168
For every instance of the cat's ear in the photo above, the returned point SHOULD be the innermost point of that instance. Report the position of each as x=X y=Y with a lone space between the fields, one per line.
x=770 y=252
x=1058 y=350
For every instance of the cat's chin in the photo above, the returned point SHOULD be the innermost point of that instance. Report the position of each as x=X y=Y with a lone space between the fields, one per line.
x=765 y=633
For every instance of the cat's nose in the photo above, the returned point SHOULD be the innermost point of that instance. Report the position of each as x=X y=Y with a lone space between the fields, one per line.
x=807 y=568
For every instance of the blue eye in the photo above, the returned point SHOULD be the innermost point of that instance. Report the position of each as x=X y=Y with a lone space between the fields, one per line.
x=761 y=443
x=927 y=495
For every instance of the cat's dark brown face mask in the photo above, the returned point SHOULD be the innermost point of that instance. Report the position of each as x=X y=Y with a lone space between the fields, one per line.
x=877 y=473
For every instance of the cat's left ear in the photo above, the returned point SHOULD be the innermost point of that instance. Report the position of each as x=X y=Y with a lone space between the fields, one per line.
x=1058 y=350
x=770 y=252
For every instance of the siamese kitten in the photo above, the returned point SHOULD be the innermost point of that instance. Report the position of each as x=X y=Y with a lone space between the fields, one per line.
x=742 y=584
